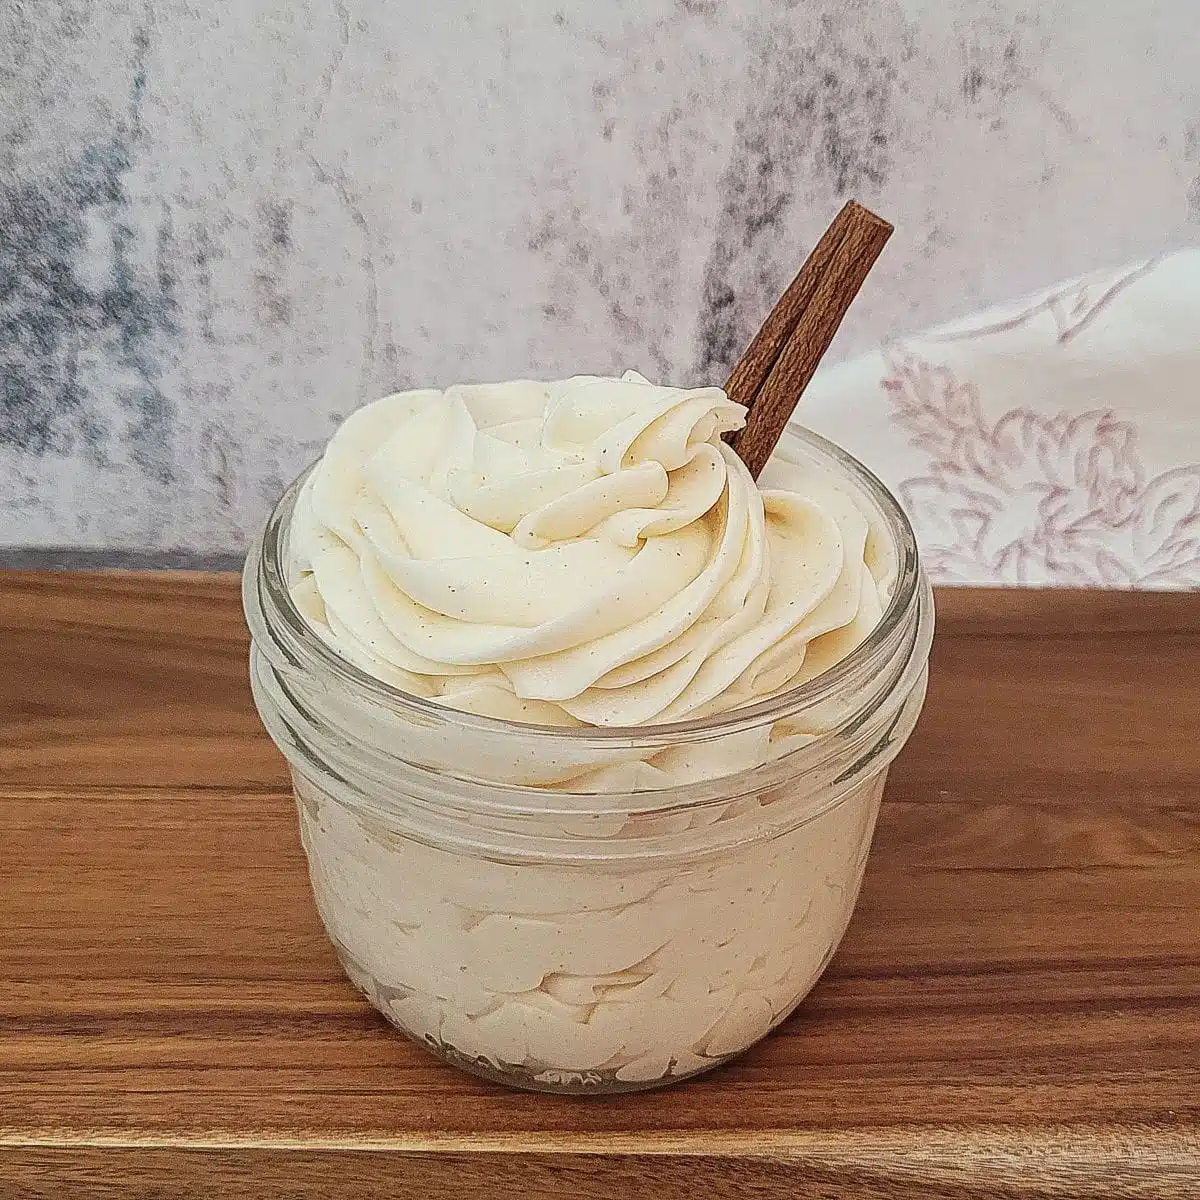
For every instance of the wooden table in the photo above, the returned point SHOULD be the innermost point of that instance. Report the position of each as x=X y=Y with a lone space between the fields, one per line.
x=1015 y=1011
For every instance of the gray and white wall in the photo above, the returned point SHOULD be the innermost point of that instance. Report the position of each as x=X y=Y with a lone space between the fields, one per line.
x=223 y=225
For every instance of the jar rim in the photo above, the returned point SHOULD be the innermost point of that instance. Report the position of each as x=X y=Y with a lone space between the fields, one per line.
x=266 y=578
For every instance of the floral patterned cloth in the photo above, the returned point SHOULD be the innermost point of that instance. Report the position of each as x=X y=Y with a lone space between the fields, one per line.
x=1052 y=442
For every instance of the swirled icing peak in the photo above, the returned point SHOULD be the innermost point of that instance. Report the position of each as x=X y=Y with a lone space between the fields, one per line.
x=585 y=551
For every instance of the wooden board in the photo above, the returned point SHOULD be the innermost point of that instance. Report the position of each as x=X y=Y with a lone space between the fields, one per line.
x=1015 y=1011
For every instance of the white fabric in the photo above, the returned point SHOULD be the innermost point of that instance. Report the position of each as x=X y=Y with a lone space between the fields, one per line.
x=1055 y=441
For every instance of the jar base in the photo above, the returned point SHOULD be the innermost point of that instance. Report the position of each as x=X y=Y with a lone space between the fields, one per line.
x=549 y=1080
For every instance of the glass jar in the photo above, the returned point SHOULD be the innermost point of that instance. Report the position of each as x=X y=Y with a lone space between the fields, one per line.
x=524 y=902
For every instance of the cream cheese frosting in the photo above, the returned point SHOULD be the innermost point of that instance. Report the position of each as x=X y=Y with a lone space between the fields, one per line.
x=557 y=975
x=581 y=552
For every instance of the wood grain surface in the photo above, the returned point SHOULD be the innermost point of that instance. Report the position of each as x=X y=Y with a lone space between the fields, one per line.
x=1015 y=1011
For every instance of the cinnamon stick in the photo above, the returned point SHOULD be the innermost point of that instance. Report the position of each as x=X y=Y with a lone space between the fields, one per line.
x=755 y=364
x=810 y=311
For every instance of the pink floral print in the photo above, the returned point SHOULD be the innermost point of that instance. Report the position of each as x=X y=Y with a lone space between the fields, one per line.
x=1035 y=497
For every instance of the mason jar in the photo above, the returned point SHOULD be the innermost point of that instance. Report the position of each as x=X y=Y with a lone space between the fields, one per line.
x=522 y=902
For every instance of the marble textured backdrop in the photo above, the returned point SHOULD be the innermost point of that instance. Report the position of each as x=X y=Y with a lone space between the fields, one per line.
x=223 y=225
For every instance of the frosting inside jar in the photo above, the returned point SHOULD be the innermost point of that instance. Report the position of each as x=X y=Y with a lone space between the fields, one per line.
x=556 y=975
x=581 y=552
